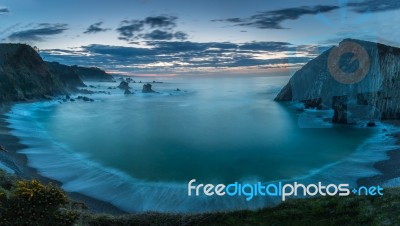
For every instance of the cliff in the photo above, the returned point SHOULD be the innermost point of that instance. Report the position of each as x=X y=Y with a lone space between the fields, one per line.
x=360 y=80
x=67 y=75
x=24 y=75
x=92 y=74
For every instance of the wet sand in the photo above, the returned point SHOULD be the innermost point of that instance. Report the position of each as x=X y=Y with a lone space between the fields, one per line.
x=18 y=163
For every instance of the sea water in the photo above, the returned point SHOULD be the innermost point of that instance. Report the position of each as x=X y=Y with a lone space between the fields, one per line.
x=139 y=151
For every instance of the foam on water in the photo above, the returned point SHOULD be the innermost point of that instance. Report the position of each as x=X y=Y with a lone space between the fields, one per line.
x=6 y=168
x=80 y=174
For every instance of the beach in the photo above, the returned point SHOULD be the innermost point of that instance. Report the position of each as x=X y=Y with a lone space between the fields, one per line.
x=389 y=168
x=139 y=151
x=17 y=163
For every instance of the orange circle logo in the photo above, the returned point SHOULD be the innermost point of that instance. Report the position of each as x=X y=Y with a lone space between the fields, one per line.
x=359 y=54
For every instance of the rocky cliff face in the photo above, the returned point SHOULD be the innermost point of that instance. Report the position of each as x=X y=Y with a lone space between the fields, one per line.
x=24 y=75
x=358 y=79
x=67 y=75
x=92 y=74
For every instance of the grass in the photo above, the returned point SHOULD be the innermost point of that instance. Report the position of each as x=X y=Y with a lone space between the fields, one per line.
x=350 y=210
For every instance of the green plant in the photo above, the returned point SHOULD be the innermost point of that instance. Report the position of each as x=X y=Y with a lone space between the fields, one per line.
x=32 y=203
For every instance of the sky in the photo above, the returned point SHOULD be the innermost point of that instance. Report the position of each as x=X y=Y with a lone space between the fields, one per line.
x=169 y=37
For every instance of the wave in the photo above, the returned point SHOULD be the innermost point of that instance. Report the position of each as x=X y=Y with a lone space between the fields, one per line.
x=78 y=173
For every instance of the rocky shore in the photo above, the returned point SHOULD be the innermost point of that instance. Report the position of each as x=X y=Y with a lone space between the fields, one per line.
x=25 y=77
x=371 y=91
x=373 y=94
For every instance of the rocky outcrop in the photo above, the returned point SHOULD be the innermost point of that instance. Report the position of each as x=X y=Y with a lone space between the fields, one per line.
x=339 y=106
x=127 y=92
x=93 y=74
x=286 y=93
x=24 y=75
x=68 y=76
x=84 y=98
x=124 y=85
x=147 y=88
x=360 y=80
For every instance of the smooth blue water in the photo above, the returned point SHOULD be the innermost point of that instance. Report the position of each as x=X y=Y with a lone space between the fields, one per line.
x=221 y=129
x=139 y=151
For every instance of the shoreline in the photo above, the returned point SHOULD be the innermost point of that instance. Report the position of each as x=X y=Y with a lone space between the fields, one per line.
x=19 y=164
x=388 y=168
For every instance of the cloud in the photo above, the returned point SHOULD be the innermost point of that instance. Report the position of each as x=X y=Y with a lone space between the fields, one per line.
x=150 y=28
x=266 y=46
x=185 y=56
x=95 y=28
x=130 y=29
x=161 y=21
x=273 y=19
x=371 y=6
x=181 y=35
x=158 y=35
x=39 y=32
x=164 y=35
x=4 y=10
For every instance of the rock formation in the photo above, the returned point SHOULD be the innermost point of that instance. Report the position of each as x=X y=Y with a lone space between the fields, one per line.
x=92 y=74
x=124 y=85
x=147 y=88
x=24 y=75
x=127 y=92
x=68 y=76
x=372 y=91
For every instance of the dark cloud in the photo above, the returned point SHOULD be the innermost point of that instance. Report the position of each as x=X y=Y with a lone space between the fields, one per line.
x=161 y=21
x=371 y=6
x=4 y=10
x=130 y=29
x=266 y=46
x=150 y=28
x=38 y=32
x=181 y=35
x=118 y=51
x=164 y=35
x=158 y=35
x=273 y=19
x=183 y=55
x=185 y=47
x=95 y=28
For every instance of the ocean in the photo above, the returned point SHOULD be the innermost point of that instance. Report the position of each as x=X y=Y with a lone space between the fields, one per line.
x=139 y=151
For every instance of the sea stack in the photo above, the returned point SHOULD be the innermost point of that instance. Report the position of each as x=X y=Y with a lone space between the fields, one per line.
x=124 y=85
x=127 y=92
x=147 y=88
